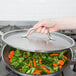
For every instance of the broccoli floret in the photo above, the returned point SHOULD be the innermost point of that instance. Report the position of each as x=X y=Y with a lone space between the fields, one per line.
x=14 y=59
x=21 y=60
x=15 y=64
x=28 y=53
x=18 y=53
x=24 y=55
x=25 y=68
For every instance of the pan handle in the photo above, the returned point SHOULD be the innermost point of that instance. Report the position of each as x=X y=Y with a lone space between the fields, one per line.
x=1 y=33
x=73 y=60
x=0 y=58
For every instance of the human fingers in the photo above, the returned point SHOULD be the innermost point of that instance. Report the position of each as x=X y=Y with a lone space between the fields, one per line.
x=39 y=29
x=43 y=30
x=46 y=31
x=39 y=24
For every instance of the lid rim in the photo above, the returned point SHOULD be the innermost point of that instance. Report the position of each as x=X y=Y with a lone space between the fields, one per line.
x=68 y=38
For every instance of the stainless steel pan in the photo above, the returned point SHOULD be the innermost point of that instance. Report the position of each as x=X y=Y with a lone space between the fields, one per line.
x=6 y=49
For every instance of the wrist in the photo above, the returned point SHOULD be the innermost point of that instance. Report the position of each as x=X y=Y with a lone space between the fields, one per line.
x=57 y=24
x=60 y=24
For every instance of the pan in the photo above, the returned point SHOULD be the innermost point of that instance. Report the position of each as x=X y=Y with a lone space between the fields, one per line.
x=6 y=49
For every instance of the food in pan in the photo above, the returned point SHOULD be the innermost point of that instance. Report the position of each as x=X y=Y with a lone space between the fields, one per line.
x=37 y=63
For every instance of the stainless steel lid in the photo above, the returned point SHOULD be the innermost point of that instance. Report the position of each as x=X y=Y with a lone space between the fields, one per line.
x=37 y=42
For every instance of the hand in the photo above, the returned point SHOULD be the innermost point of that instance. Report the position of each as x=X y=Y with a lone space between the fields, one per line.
x=52 y=25
x=45 y=26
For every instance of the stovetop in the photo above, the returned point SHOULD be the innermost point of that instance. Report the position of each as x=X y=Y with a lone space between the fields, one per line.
x=5 y=71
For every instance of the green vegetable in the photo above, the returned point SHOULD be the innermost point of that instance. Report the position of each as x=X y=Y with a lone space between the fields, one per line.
x=43 y=72
x=56 y=60
x=46 y=61
x=38 y=66
x=49 y=68
x=64 y=59
x=24 y=55
x=25 y=68
x=50 y=58
x=56 y=68
x=31 y=70
x=21 y=60
x=26 y=64
x=14 y=59
x=31 y=64
x=28 y=59
x=61 y=54
x=28 y=53
x=15 y=64
x=18 y=53
x=35 y=55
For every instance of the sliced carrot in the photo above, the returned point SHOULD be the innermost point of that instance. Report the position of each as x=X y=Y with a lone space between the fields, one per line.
x=54 y=64
x=34 y=72
x=26 y=55
x=54 y=54
x=40 y=61
x=66 y=58
x=44 y=68
x=9 y=56
x=34 y=62
x=60 y=66
x=11 y=52
x=12 y=55
x=29 y=64
x=38 y=72
x=20 y=69
x=61 y=62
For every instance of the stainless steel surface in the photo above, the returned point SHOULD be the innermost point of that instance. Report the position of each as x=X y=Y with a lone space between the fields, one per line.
x=49 y=36
x=37 y=42
x=1 y=33
x=34 y=30
x=28 y=32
